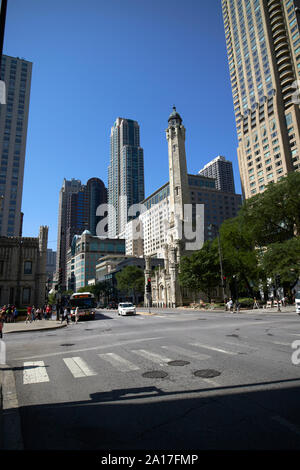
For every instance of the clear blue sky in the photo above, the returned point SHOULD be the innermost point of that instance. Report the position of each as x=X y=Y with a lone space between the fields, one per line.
x=96 y=60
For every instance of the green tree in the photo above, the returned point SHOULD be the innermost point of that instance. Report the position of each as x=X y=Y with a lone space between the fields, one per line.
x=240 y=257
x=200 y=271
x=101 y=288
x=131 y=280
x=283 y=259
x=274 y=215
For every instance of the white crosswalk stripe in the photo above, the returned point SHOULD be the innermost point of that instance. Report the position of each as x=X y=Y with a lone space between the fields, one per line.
x=35 y=372
x=78 y=367
x=154 y=357
x=205 y=346
x=186 y=352
x=118 y=362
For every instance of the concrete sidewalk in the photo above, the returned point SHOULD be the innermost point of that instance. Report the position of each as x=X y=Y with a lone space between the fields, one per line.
x=36 y=325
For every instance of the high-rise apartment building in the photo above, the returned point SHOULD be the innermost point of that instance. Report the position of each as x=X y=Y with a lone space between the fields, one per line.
x=78 y=205
x=263 y=46
x=125 y=173
x=16 y=73
x=221 y=170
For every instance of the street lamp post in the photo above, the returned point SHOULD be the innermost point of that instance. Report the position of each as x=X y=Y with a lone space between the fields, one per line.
x=220 y=258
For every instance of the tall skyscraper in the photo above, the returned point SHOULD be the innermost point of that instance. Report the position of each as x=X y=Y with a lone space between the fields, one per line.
x=263 y=46
x=125 y=173
x=78 y=204
x=16 y=73
x=68 y=188
x=221 y=170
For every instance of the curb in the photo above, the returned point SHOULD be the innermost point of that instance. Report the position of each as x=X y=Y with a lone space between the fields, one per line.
x=10 y=422
x=25 y=330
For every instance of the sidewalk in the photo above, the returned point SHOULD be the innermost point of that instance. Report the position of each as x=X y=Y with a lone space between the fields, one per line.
x=36 y=325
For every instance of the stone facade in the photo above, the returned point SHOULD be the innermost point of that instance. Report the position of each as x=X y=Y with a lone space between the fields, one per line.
x=23 y=270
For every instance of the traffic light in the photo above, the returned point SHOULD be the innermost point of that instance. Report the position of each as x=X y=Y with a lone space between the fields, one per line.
x=224 y=281
x=277 y=281
x=148 y=286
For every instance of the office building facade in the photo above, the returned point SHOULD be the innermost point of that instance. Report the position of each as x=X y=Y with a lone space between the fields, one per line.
x=125 y=174
x=84 y=254
x=221 y=170
x=263 y=46
x=16 y=73
x=78 y=205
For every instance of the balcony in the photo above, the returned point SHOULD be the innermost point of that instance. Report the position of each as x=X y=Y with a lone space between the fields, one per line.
x=280 y=40
x=285 y=66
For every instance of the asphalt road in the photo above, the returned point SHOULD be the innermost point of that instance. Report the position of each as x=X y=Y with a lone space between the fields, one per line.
x=177 y=381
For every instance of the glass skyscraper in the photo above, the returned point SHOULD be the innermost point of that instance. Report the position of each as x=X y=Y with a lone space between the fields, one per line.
x=125 y=174
x=263 y=46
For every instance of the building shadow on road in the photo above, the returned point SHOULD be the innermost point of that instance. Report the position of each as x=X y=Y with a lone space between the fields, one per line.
x=252 y=416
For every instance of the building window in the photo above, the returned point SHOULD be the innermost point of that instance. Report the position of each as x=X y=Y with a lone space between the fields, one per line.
x=26 y=295
x=28 y=267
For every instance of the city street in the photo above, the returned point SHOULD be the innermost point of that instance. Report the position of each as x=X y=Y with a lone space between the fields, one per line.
x=184 y=380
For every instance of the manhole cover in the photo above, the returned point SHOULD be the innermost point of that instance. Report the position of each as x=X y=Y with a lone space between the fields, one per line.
x=67 y=344
x=178 y=363
x=207 y=373
x=155 y=374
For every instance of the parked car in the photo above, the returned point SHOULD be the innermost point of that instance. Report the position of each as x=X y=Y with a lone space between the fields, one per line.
x=126 y=309
x=112 y=305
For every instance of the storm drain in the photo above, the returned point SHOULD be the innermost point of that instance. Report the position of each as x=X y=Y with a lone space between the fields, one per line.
x=178 y=363
x=207 y=373
x=155 y=374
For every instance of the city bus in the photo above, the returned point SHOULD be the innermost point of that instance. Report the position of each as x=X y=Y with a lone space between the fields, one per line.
x=86 y=303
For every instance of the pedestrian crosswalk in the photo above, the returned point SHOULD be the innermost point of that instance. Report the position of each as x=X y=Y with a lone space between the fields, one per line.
x=35 y=372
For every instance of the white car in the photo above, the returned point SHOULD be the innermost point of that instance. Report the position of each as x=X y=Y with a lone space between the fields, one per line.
x=126 y=309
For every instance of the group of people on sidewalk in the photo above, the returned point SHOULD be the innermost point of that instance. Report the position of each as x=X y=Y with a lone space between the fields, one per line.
x=9 y=313
x=65 y=314
x=38 y=313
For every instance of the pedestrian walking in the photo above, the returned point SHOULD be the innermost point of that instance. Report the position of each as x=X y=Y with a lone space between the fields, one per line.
x=33 y=313
x=1 y=323
x=48 y=312
x=15 y=315
x=65 y=316
x=76 y=314
x=29 y=317
x=255 y=304
x=8 y=314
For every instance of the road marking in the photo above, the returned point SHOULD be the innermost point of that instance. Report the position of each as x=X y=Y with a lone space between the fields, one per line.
x=281 y=344
x=102 y=346
x=214 y=349
x=78 y=367
x=292 y=427
x=35 y=372
x=186 y=352
x=118 y=362
x=154 y=357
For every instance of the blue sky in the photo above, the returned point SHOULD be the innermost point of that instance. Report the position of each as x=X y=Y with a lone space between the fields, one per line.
x=96 y=60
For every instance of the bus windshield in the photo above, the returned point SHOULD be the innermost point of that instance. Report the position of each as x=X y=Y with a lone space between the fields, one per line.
x=83 y=303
